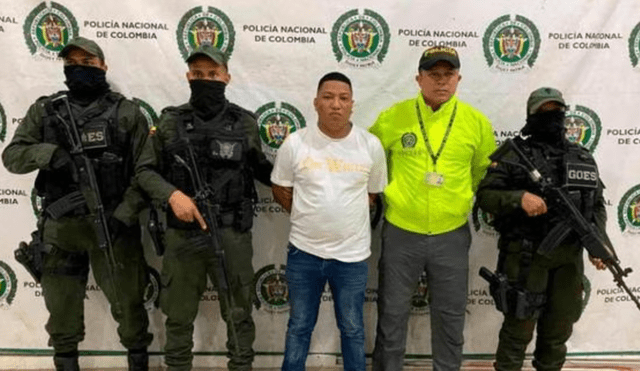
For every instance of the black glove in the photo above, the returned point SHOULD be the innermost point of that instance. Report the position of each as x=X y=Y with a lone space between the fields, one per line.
x=60 y=158
x=62 y=161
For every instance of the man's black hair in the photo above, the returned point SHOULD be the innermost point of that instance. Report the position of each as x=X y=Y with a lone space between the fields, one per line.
x=334 y=76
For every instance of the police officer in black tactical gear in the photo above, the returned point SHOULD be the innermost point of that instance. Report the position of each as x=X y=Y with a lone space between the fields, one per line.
x=215 y=143
x=543 y=277
x=106 y=140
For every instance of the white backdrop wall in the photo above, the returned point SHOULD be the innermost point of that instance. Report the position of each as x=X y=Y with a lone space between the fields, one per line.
x=279 y=49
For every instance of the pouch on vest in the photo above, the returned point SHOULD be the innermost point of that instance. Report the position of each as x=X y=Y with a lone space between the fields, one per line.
x=243 y=220
x=94 y=135
x=112 y=183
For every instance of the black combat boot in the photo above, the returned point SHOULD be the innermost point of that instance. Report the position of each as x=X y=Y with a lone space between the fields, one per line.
x=138 y=359
x=66 y=361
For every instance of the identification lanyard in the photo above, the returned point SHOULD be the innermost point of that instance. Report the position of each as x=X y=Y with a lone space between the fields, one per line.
x=435 y=157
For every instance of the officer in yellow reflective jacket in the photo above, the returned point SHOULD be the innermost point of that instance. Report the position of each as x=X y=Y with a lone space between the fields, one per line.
x=437 y=149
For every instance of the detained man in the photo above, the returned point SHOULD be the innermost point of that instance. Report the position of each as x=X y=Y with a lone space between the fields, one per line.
x=327 y=176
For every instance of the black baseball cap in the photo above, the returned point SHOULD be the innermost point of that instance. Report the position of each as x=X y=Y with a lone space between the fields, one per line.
x=435 y=54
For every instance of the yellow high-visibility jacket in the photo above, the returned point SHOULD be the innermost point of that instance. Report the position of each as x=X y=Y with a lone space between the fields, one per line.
x=412 y=204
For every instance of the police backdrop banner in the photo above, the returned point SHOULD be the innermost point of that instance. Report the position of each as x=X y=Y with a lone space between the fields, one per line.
x=278 y=51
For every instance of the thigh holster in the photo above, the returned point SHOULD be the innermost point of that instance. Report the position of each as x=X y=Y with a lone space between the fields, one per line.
x=509 y=293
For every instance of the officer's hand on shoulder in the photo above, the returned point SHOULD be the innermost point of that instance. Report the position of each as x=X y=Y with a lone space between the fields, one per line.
x=185 y=209
x=533 y=205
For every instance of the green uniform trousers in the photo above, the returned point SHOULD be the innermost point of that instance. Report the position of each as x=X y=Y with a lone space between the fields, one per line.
x=64 y=282
x=189 y=259
x=561 y=277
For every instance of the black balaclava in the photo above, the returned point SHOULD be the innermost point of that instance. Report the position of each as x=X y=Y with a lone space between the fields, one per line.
x=85 y=83
x=546 y=127
x=207 y=97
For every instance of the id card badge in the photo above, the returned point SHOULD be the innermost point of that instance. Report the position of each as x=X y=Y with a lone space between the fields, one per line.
x=433 y=179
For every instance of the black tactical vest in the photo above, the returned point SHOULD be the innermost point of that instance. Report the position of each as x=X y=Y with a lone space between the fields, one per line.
x=106 y=144
x=220 y=146
x=572 y=169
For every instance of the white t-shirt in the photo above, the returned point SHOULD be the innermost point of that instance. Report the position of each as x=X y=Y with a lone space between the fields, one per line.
x=331 y=179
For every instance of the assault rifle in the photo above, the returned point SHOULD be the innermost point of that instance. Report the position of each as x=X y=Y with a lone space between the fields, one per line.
x=91 y=192
x=572 y=220
x=203 y=196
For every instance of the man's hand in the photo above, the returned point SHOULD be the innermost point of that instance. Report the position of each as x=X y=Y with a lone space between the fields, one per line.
x=283 y=196
x=533 y=205
x=59 y=159
x=62 y=161
x=372 y=199
x=185 y=209
x=597 y=262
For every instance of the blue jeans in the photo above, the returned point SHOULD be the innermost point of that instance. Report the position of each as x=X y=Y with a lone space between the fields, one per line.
x=306 y=276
